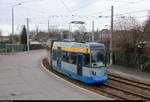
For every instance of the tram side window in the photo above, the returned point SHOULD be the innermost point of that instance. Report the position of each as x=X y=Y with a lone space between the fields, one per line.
x=86 y=60
x=65 y=57
x=54 y=54
x=73 y=58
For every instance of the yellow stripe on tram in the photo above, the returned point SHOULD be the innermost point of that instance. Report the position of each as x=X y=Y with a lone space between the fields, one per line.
x=81 y=50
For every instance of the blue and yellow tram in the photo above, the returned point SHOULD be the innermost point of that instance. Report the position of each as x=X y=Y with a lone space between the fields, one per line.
x=80 y=61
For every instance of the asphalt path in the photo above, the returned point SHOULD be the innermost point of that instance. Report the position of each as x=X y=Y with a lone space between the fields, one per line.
x=23 y=78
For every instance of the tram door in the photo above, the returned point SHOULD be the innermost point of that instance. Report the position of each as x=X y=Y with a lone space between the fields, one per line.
x=79 y=64
x=59 y=55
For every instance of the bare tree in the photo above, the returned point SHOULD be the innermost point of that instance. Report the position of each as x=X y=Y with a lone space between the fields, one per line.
x=127 y=34
x=146 y=28
x=0 y=32
x=77 y=36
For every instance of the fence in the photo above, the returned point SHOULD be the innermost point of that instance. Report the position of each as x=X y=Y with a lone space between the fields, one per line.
x=7 y=48
x=139 y=61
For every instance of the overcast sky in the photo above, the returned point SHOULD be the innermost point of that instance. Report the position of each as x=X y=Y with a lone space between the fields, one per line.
x=61 y=12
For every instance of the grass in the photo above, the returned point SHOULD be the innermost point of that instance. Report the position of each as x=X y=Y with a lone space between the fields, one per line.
x=10 y=53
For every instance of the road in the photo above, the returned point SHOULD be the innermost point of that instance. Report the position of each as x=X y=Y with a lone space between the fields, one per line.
x=23 y=78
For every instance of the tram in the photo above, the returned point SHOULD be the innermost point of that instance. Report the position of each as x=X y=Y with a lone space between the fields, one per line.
x=81 y=61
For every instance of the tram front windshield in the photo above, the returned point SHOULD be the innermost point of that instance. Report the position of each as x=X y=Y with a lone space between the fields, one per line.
x=97 y=58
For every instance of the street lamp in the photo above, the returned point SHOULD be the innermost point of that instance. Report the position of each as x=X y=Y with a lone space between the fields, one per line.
x=13 y=22
x=76 y=23
x=69 y=31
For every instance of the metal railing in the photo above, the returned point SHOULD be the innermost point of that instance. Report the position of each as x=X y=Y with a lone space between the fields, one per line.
x=140 y=61
x=9 y=48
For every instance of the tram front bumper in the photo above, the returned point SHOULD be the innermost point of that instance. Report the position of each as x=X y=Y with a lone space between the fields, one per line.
x=100 y=79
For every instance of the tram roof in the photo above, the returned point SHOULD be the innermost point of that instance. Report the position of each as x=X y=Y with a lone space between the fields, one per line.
x=77 y=44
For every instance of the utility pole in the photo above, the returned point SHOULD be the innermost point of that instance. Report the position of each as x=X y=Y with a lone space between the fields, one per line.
x=69 y=31
x=111 y=35
x=27 y=34
x=93 y=31
x=13 y=24
x=48 y=27
x=37 y=30
x=12 y=28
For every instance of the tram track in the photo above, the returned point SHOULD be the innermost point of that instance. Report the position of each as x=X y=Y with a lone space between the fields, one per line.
x=117 y=87
x=129 y=94
x=129 y=86
x=129 y=81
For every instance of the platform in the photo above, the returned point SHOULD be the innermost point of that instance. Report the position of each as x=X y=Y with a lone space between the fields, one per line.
x=23 y=78
x=130 y=73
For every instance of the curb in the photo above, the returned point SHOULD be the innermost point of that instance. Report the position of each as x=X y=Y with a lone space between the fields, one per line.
x=98 y=96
